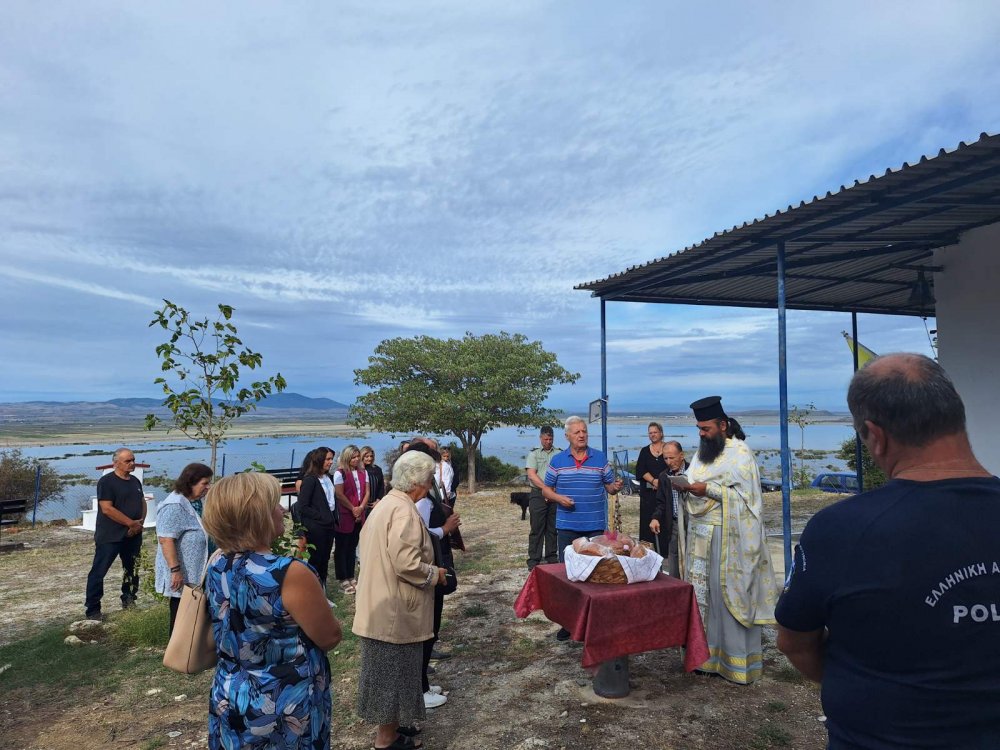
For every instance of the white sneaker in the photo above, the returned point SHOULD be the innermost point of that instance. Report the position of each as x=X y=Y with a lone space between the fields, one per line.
x=436 y=689
x=433 y=700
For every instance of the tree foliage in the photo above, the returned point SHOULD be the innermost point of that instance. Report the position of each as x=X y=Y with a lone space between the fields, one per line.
x=873 y=475
x=461 y=387
x=18 y=474
x=204 y=358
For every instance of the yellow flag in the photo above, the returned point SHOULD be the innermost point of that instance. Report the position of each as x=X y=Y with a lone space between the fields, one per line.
x=865 y=355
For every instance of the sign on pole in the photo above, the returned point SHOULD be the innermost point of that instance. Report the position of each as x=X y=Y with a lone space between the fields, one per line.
x=596 y=410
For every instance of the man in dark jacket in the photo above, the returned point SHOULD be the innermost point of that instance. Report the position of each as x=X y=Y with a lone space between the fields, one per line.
x=667 y=504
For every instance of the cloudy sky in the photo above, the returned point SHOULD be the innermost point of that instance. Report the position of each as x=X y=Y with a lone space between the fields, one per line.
x=342 y=173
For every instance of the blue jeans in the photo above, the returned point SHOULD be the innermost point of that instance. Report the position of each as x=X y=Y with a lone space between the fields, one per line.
x=565 y=537
x=104 y=555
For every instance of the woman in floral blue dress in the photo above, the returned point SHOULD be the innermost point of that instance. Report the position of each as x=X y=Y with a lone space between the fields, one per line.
x=272 y=627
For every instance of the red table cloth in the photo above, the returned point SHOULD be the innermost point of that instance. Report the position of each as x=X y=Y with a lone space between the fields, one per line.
x=615 y=620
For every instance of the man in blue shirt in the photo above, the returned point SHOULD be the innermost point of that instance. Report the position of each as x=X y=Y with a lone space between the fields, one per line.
x=577 y=480
x=892 y=602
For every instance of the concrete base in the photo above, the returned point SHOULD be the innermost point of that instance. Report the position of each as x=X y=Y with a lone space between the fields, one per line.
x=611 y=679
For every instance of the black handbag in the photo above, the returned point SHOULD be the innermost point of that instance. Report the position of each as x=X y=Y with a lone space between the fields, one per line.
x=450 y=579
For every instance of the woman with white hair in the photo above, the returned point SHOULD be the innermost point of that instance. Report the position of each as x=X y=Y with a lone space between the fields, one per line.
x=395 y=605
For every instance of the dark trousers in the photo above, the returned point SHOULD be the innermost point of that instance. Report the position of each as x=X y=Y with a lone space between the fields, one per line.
x=565 y=537
x=647 y=505
x=671 y=551
x=104 y=555
x=319 y=558
x=345 y=555
x=542 y=536
x=175 y=603
x=429 y=643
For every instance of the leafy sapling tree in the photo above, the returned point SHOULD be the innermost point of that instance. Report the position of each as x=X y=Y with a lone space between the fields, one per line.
x=205 y=357
x=462 y=387
x=801 y=416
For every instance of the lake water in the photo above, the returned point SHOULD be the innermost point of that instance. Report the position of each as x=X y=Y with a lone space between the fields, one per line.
x=510 y=444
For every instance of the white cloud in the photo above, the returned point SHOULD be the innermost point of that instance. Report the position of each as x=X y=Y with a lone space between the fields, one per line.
x=364 y=171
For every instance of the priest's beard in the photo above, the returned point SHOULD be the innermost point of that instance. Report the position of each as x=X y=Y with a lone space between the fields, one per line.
x=710 y=448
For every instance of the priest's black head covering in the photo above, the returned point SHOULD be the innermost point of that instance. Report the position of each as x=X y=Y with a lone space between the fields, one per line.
x=707 y=408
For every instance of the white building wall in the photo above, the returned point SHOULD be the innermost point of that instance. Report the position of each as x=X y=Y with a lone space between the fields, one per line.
x=968 y=323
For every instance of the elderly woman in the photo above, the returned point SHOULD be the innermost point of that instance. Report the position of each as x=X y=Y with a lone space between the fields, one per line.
x=182 y=552
x=395 y=605
x=271 y=623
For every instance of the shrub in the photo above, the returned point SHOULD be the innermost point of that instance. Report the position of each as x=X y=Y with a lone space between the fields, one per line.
x=488 y=468
x=873 y=475
x=17 y=478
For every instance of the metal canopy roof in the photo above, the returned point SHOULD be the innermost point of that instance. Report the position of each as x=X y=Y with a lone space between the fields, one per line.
x=857 y=250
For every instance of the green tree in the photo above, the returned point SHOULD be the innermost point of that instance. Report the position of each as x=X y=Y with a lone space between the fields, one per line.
x=873 y=475
x=204 y=357
x=801 y=416
x=462 y=387
x=18 y=474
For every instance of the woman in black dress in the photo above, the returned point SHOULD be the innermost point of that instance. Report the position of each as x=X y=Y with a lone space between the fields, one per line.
x=317 y=508
x=648 y=468
x=376 y=480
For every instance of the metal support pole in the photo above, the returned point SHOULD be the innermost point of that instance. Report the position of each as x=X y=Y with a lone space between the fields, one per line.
x=786 y=463
x=858 y=453
x=604 y=380
x=292 y=464
x=223 y=473
x=38 y=490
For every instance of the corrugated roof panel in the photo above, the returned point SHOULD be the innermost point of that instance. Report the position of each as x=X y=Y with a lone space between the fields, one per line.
x=843 y=251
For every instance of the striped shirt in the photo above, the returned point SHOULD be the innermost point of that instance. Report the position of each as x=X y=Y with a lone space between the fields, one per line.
x=584 y=484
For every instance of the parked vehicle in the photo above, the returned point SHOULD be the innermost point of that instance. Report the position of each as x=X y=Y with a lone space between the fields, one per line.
x=769 y=485
x=844 y=482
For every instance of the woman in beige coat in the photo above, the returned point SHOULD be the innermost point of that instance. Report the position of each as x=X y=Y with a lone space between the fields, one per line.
x=395 y=605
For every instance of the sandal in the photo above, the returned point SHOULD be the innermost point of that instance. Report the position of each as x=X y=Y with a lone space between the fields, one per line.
x=402 y=742
x=412 y=731
x=348 y=589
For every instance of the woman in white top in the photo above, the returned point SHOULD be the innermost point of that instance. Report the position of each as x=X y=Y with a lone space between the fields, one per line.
x=182 y=553
x=317 y=507
x=350 y=483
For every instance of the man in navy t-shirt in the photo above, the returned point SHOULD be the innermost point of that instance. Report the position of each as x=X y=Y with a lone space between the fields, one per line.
x=122 y=507
x=893 y=600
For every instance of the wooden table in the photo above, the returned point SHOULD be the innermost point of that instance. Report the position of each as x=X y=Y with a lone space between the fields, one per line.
x=615 y=620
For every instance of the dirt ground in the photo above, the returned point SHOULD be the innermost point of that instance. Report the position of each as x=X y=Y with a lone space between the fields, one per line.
x=510 y=684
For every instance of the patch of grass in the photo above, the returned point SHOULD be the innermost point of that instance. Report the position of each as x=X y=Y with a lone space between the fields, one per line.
x=143 y=627
x=769 y=736
x=475 y=610
x=44 y=660
x=776 y=707
x=482 y=558
x=787 y=673
x=154 y=743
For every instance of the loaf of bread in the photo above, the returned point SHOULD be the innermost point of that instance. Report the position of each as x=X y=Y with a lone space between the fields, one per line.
x=584 y=546
x=638 y=551
x=620 y=544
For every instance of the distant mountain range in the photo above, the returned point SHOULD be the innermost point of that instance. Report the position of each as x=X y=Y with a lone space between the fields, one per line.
x=274 y=401
x=276 y=406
